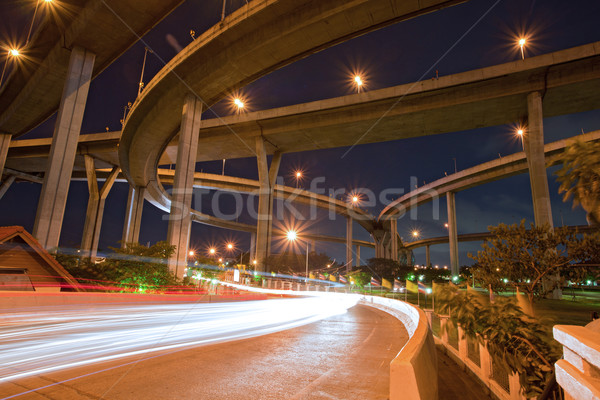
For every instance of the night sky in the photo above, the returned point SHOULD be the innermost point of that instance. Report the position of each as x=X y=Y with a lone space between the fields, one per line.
x=406 y=52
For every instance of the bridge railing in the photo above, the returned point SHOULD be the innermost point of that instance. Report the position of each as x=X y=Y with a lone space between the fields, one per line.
x=578 y=373
x=474 y=355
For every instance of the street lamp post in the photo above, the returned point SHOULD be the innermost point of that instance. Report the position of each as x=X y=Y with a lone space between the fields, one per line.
x=306 y=280
x=292 y=236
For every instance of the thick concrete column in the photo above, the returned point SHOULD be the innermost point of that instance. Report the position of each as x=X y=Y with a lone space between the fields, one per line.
x=95 y=208
x=4 y=144
x=267 y=177
x=452 y=233
x=53 y=198
x=394 y=238
x=358 y=256
x=273 y=171
x=133 y=215
x=252 y=247
x=427 y=256
x=180 y=219
x=388 y=252
x=349 y=221
x=533 y=143
x=262 y=217
x=6 y=184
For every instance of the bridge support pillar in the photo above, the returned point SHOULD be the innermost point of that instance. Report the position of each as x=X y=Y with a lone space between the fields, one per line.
x=533 y=143
x=357 y=256
x=427 y=256
x=6 y=184
x=180 y=219
x=133 y=215
x=273 y=171
x=264 y=218
x=53 y=198
x=394 y=238
x=452 y=233
x=349 y=222
x=95 y=208
x=252 y=252
x=4 y=144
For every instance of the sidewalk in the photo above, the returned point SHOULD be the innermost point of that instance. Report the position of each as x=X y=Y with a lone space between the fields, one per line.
x=456 y=384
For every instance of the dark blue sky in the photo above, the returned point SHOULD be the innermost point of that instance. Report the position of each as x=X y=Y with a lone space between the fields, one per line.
x=406 y=52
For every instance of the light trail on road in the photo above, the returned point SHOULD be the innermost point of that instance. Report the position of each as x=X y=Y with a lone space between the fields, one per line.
x=47 y=339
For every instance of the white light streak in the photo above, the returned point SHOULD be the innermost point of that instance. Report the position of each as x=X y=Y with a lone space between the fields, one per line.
x=56 y=338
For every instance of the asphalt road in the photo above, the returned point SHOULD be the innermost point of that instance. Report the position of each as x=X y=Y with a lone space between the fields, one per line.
x=344 y=356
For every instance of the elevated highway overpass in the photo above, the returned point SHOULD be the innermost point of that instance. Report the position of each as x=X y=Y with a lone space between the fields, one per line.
x=489 y=96
x=106 y=28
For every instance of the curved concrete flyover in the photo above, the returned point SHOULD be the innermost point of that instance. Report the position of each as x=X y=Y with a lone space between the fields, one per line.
x=27 y=159
x=485 y=97
x=258 y=38
x=30 y=156
x=475 y=237
x=480 y=174
x=32 y=92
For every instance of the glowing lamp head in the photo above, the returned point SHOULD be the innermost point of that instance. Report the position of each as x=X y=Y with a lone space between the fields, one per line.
x=522 y=42
x=220 y=260
x=212 y=251
x=520 y=132
x=298 y=174
x=446 y=225
x=238 y=103
x=292 y=235
x=358 y=80
x=254 y=262
x=191 y=253
x=355 y=199
x=229 y=246
x=415 y=233
x=15 y=52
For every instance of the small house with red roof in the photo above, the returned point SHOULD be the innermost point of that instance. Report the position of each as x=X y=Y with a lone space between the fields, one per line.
x=26 y=266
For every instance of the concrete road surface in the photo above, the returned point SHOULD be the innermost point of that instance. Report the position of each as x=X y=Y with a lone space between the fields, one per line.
x=346 y=356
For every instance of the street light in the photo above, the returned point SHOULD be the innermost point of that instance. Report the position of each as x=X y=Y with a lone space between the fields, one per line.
x=358 y=82
x=292 y=235
x=229 y=246
x=238 y=103
x=298 y=175
x=521 y=133
x=14 y=52
x=191 y=253
x=415 y=233
x=522 y=42
x=212 y=251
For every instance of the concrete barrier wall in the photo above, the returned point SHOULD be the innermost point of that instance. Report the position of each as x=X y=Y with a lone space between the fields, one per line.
x=413 y=373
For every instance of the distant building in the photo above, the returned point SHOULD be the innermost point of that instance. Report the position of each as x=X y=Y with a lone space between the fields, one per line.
x=26 y=266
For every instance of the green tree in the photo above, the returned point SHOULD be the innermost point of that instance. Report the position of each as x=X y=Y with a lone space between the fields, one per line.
x=134 y=266
x=385 y=268
x=292 y=262
x=360 y=278
x=579 y=177
x=522 y=257
x=514 y=339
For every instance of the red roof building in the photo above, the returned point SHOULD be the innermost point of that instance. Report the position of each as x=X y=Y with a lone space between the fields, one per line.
x=26 y=266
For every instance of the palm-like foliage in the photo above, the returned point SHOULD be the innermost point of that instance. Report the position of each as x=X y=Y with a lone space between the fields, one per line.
x=580 y=178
